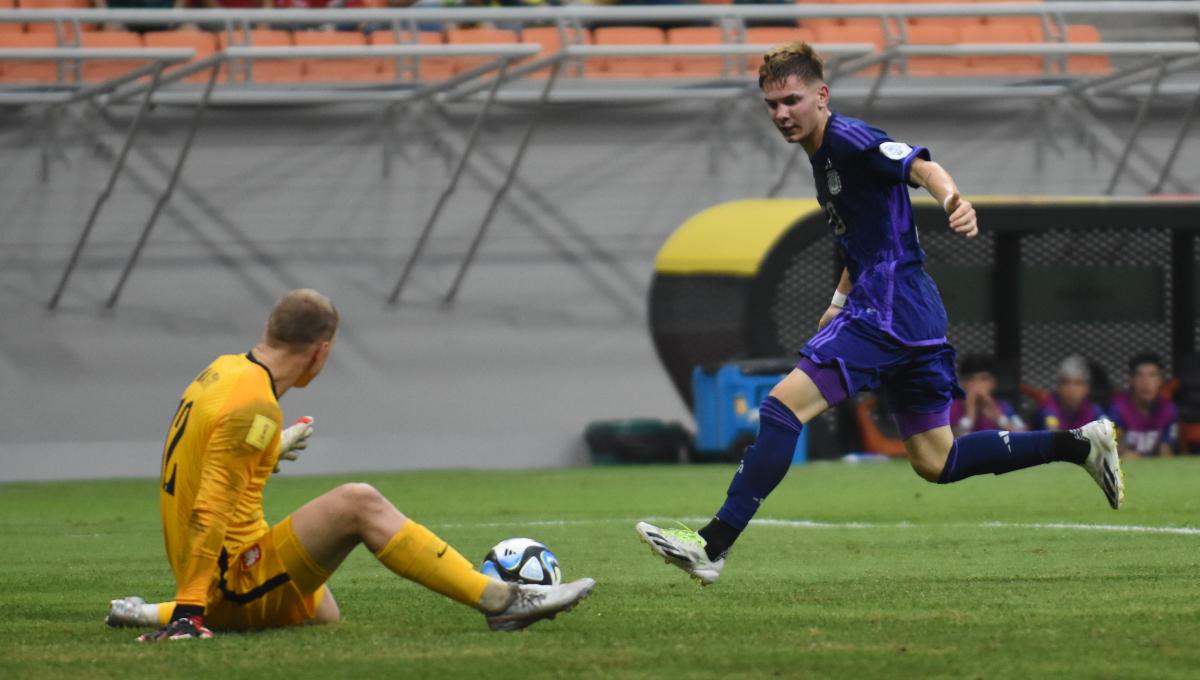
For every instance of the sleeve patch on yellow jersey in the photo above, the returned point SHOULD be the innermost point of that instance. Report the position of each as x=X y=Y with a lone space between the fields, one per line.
x=262 y=431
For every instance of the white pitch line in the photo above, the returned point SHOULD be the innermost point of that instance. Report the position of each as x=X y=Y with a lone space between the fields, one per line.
x=814 y=524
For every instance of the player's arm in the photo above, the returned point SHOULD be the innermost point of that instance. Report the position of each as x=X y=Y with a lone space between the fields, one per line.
x=839 y=299
x=234 y=451
x=934 y=179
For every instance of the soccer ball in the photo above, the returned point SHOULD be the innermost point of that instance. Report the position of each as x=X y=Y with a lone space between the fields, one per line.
x=522 y=560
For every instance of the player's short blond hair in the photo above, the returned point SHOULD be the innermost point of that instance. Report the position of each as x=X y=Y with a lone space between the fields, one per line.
x=300 y=318
x=793 y=59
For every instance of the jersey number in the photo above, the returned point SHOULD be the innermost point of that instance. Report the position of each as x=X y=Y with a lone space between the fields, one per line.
x=178 y=425
x=835 y=220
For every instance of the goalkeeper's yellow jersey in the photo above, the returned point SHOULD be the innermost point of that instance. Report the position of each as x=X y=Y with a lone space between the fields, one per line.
x=220 y=450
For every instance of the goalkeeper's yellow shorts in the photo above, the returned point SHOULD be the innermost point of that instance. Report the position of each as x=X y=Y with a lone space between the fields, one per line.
x=270 y=582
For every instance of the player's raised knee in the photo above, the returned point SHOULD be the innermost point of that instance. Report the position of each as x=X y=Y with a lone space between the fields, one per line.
x=360 y=498
x=929 y=469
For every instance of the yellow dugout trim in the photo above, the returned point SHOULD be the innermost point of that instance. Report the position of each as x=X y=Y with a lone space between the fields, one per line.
x=731 y=238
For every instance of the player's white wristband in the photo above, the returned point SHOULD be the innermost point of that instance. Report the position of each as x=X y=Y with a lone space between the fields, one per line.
x=839 y=299
x=946 y=203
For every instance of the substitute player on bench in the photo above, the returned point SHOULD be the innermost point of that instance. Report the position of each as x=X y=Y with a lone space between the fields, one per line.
x=232 y=570
x=885 y=326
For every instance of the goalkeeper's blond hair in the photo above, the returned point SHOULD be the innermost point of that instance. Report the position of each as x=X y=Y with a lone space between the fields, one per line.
x=793 y=59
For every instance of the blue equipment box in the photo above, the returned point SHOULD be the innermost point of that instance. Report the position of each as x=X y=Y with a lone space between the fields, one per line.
x=725 y=404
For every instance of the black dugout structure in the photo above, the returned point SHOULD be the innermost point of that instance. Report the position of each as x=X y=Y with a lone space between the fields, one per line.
x=1047 y=277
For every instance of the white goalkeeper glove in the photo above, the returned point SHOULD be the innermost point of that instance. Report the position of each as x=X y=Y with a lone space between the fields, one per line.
x=294 y=439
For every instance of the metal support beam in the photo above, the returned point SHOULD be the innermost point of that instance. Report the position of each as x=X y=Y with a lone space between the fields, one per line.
x=1188 y=119
x=1138 y=123
x=790 y=165
x=166 y=194
x=134 y=126
x=472 y=139
x=503 y=190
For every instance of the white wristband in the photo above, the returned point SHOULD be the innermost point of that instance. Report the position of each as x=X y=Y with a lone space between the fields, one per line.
x=839 y=299
x=946 y=202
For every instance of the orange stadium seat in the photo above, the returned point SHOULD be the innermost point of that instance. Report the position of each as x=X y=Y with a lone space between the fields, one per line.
x=856 y=22
x=772 y=36
x=10 y=27
x=429 y=68
x=48 y=27
x=98 y=70
x=854 y=34
x=1086 y=64
x=477 y=36
x=629 y=67
x=999 y=66
x=551 y=41
x=202 y=41
x=28 y=71
x=698 y=65
x=265 y=70
x=337 y=70
x=953 y=22
x=936 y=66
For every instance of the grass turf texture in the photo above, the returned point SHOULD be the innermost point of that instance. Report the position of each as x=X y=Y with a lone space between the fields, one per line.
x=941 y=596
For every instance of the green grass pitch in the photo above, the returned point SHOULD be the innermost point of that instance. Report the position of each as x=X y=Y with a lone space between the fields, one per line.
x=902 y=579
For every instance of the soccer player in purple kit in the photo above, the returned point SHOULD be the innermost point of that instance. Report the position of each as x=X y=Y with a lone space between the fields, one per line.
x=885 y=326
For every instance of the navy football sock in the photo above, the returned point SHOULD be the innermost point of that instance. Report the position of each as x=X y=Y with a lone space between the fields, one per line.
x=998 y=451
x=763 y=466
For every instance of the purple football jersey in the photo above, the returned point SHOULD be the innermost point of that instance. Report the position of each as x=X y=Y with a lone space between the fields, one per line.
x=1143 y=431
x=1052 y=415
x=861 y=176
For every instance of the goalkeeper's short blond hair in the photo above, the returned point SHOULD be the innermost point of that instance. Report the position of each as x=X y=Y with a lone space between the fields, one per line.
x=300 y=318
x=793 y=59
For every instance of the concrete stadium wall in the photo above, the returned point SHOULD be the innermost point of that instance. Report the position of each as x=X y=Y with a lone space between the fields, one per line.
x=547 y=334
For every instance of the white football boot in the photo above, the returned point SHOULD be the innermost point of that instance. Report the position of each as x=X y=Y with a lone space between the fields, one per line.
x=1103 y=462
x=131 y=612
x=683 y=548
x=532 y=603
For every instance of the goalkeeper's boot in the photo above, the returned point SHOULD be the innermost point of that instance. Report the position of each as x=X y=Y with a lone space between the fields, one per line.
x=532 y=603
x=186 y=628
x=683 y=548
x=131 y=612
x=1103 y=462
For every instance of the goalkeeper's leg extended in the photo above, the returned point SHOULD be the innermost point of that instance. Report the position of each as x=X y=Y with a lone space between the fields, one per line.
x=331 y=526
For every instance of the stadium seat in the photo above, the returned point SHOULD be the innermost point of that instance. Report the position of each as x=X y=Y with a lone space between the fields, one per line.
x=1086 y=64
x=772 y=36
x=337 y=70
x=48 y=27
x=428 y=68
x=935 y=34
x=28 y=71
x=202 y=41
x=551 y=41
x=268 y=70
x=477 y=36
x=952 y=22
x=854 y=34
x=106 y=69
x=698 y=66
x=1008 y=65
x=10 y=27
x=629 y=67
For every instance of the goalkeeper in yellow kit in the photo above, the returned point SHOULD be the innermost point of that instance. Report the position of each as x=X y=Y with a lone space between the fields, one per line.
x=233 y=571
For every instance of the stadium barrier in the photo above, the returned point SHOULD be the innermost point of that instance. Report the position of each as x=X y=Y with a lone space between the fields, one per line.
x=232 y=80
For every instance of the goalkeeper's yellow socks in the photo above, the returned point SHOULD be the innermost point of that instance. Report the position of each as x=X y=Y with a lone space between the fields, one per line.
x=163 y=611
x=417 y=554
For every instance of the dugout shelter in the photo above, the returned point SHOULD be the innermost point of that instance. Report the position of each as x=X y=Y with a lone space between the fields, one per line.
x=1046 y=277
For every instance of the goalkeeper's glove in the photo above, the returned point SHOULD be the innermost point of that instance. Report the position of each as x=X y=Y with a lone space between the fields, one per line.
x=187 y=624
x=294 y=439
